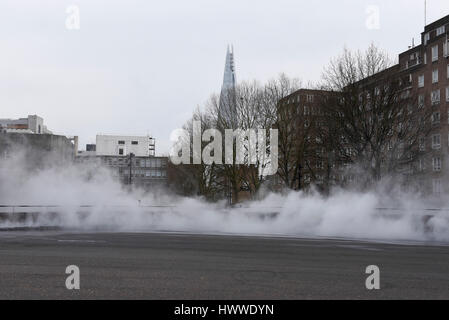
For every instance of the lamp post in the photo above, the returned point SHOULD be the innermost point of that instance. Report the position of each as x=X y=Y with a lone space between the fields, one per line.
x=330 y=163
x=130 y=180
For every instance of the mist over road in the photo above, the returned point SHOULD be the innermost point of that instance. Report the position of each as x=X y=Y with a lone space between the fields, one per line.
x=189 y=266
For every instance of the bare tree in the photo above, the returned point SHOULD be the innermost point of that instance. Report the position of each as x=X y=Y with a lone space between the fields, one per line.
x=372 y=114
x=247 y=106
x=196 y=179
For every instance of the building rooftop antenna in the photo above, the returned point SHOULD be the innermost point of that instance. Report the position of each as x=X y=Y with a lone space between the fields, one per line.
x=425 y=13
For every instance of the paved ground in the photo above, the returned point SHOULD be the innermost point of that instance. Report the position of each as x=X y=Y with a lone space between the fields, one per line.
x=183 y=266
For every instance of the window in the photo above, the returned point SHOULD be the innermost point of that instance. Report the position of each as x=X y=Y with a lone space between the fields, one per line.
x=306 y=110
x=390 y=145
x=435 y=53
x=425 y=57
x=436 y=161
x=426 y=38
x=421 y=165
x=349 y=152
x=447 y=71
x=121 y=142
x=306 y=178
x=435 y=96
x=421 y=81
x=405 y=94
x=436 y=141
x=422 y=144
x=309 y=98
x=447 y=94
x=436 y=186
x=134 y=142
x=421 y=101
x=435 y=117
x=435 y=76
x=441 y=30
x=120 y=151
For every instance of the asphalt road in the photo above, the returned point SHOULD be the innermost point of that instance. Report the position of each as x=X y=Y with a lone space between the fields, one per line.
x=183 y=266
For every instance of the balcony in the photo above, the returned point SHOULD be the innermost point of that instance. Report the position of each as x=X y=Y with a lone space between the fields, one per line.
x=413 y=63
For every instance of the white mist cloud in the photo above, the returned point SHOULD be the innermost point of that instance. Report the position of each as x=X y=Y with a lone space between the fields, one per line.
x=346 y=214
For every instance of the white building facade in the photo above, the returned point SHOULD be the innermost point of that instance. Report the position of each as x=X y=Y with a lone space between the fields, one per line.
x=110 y=145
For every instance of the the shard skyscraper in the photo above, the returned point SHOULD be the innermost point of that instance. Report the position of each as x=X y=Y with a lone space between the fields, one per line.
x=227 y=107
x=229 y=70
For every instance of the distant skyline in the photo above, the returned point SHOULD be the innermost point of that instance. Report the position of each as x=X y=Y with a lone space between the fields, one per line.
x=141 y=67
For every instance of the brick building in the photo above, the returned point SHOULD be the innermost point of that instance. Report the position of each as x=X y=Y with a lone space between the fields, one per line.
x=424 y=70
x=427 y=68
x=300 y=117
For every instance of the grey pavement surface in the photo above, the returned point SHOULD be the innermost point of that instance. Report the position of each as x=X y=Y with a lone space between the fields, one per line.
x=189 y=266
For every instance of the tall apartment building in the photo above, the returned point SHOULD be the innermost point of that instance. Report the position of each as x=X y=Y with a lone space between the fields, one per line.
x=423 y=69
x=427 y=68
x=303 y=107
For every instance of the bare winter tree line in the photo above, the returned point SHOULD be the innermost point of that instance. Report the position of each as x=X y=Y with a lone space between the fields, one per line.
x=369 y=120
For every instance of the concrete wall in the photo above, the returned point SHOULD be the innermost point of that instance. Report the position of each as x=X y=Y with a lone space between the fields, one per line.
x=39 y=150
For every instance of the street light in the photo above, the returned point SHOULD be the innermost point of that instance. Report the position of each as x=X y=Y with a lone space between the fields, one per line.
x=130 y=180
x=330 y=164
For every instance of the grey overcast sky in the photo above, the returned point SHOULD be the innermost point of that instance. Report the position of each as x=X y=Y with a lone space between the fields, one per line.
x=137 y=67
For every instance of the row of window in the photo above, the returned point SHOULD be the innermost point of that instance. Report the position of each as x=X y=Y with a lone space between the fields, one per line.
x=436 y=117
x=435 y=77
x=435 y=52
x=143 y=163
x=144 y=173
x=436 y=164
x=132 y=142
x=436 y=142
x=309 y=99
x=439 y=31
x=414 y=57
x=319 y=179
x=435 y=97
